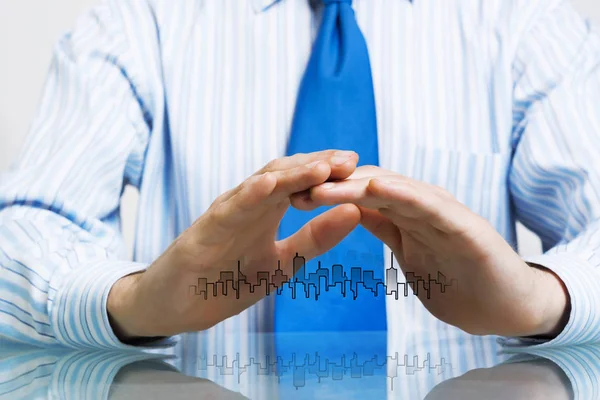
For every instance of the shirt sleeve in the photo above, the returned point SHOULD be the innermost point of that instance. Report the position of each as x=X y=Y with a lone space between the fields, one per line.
x=555 y=175
x=61 y=248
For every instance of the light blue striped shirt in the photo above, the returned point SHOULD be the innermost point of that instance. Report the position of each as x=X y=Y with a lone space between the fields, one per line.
x=498 y=101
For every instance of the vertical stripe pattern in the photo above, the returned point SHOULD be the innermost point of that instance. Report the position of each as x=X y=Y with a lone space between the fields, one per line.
x=496 y=100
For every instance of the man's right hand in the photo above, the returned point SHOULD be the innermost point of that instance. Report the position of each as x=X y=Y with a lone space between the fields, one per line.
x=240 y=225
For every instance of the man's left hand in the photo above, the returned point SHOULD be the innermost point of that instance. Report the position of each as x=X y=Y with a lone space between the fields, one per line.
x=429 y=231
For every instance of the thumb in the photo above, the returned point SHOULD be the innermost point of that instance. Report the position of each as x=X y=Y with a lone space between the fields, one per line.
x=381 y=227
x=321 y=234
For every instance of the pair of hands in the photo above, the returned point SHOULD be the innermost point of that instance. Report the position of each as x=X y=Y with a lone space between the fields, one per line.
x=426 y=228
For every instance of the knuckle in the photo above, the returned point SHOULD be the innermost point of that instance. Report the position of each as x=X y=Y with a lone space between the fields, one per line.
x=252 y=182
x=187 y=246
x=218 y=215
x=222 y=197
x=303 y=171
x=241 y=188
x=256 y=189
x=269 y=180
x=434 y=204
x=192 y=243
x=272 y=165
x=443 y=192
x=413 y=199
x=460 y=228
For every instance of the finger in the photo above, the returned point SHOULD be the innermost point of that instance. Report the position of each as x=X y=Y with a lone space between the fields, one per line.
x=347 y=191
x=342 y=163
x=371 y=171
x=421 y=202
x=299 y=179
x=367 y=172
x=305 y=202
x=406 y=197
x=287 y=181
x=385 y=230
x=382 y=228
x=302 y=201
x=422 y=232
x=321 y=234
x=383 y=223
x=332 y=193
x=245 y=202
x=263 y=191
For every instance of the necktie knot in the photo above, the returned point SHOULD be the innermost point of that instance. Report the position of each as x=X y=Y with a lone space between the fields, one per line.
x=328 y=2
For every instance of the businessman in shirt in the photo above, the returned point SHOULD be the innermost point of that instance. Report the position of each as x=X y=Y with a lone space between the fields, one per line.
x=430 y=127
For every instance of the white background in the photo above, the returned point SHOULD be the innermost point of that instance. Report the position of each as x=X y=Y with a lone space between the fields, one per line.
x=28 y=31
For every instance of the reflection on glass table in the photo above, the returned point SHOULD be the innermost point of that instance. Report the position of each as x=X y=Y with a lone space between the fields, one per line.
x=345 y=366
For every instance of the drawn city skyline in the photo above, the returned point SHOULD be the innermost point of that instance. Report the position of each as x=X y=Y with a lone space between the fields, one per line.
x=344 y=367
x=312 y=284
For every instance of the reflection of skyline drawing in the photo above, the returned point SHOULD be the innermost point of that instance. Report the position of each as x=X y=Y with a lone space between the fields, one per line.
x=312 y=284
x=303 y=367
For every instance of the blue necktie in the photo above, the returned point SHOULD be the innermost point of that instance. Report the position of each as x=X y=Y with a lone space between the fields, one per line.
x=335 y=109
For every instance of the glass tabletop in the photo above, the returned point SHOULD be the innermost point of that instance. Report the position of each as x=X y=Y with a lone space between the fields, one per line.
x=356 y=365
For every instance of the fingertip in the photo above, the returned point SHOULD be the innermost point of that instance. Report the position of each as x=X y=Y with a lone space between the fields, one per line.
x=333 y=225
x=348 y=214
x=386 y=187
x=351 y=211
x=367 y=213
x=324 y=231
x=317 y=194
x=345 y=169
x=302 y=201
x=376 y=184
x=321 y=169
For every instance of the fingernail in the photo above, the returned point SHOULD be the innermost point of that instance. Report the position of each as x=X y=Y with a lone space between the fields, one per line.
x=344 y=153
x=327 y=185
x=339 y=160
x=313 y=164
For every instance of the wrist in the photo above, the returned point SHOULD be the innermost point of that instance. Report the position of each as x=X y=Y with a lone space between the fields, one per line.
x=127 y=319
x=554 y=303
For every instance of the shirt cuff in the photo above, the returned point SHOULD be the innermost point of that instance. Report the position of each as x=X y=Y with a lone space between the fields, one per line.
x=77 y=306
x=580 y=278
